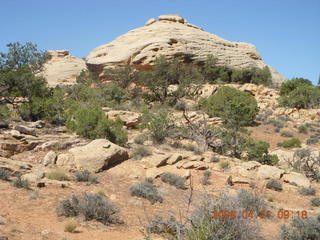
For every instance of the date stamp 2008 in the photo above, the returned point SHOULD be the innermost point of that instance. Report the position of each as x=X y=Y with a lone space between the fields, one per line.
x=249 y=214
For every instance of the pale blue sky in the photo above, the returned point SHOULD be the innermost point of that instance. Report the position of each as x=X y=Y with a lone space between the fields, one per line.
x=285 y=32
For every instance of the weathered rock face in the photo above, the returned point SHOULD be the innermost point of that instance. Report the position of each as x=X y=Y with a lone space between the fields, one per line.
x=62 y=68
x=173 y=36
x=95 y=156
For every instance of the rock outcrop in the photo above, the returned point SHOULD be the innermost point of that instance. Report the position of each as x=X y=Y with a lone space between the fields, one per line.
x=62 y=68
x=95 y=156
x=173 y=36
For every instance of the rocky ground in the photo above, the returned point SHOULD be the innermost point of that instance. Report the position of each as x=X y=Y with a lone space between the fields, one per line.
x=34 y=149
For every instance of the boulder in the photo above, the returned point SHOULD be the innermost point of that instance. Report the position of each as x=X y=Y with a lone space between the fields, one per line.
x=66 y=160
x=156 y=160
x=195 y=165
x=174 y=158
x=173 y=36
x=297 y=178
x=98 y=155
x=269 y=172
x=49 y=158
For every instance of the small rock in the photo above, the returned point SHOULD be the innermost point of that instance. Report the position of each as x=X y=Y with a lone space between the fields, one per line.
x=25 y=130
x=297 y=178
x=37 y=124
x=187 y=174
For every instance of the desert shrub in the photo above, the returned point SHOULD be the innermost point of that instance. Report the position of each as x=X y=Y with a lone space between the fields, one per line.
x=158 y=122
x=299 y=93
x=167 y=228
x=224 y=165
x=292 y=143
x=90 y=206
x=303 y=129
x=299 y=229
x=19 y=68
x=286 y=133
x=166 y=72
x=146 y=189
x=276 y=122
x=4 y=112
x=4 y=174
x=205 y=178
x=259 y=151
x=20 y=183
x=307 y=191
x=252 y=75
x=140 y=139
x=70 y=226
x=251 y=202
x=50 y=108
x=85 y=176
x=204 y=226
x=123 y=76
x=174 y=180
x=237 y=108
x=193 y=148
x=311 y=141
x=274 y=184
x=57 y=175
x=140 y=152
x=315 y=202
x=214 y=159
x=180 y=106
x=88 y=120
x=306 y=161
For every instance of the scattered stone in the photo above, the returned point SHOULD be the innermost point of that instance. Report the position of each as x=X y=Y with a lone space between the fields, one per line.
x=15 y=167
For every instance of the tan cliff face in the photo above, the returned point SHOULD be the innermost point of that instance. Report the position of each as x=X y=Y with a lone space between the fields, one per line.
x=62 y=68
x=173 y=36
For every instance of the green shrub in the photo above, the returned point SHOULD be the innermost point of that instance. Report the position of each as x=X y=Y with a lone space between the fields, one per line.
x=276 y=122
x=20 y=183
x=303 y=129
x=140 y=152
x=274 y=184
x=85 y=176
x=180 y=106
x=140 y=139
x=299 y=229
x=259 y=151
x=292 y=143
x=91 y=207
x=286 y=133
x=147 y=190
x=4 y=112
x=224 y=165
x=123 y=76
x=237 y=108
x=251 y=202
x=252 y=75
x=174 y=180
x=205 y=178
x=158 y=122
x=307 y=191
x=4 y=174
x=299 y=93
x=57 y=175
x=89 y=121
x=315 y=202
x=204 y=226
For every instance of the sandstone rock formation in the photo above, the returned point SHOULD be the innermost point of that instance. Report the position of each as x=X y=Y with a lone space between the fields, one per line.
x=95 y=156
x=173 y=36
x=62 y=68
